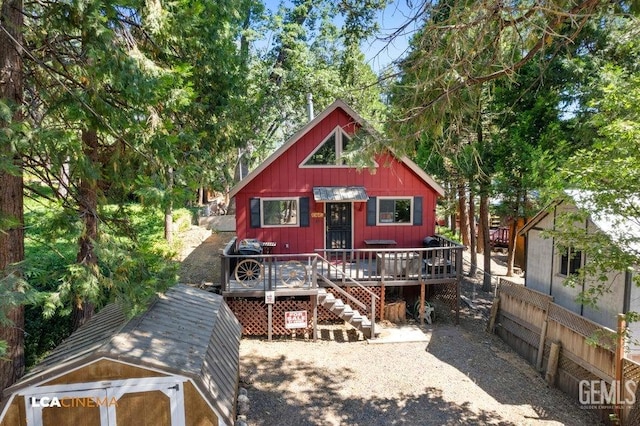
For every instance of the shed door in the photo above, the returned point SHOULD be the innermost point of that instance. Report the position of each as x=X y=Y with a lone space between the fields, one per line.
x=150 y=401
x=338 y=226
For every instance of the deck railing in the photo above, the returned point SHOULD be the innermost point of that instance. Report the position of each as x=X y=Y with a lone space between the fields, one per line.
x=298 y=272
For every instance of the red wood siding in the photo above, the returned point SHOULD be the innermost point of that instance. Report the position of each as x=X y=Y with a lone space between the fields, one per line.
x=284 y=178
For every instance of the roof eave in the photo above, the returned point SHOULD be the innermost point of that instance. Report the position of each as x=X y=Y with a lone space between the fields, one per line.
x=311 y=124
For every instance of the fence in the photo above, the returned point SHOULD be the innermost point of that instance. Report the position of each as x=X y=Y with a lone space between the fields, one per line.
x=576 y=354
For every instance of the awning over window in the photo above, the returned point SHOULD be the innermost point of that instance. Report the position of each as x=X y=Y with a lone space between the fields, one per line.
x=323 y=194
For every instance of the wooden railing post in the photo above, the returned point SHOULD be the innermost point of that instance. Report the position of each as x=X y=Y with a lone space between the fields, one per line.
x=224 y=276
x=373 y=317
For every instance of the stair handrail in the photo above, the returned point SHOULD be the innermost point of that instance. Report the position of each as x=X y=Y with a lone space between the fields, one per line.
x=351 y=298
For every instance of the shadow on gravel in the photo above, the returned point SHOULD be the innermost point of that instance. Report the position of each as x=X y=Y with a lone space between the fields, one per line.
x=325 y=405
x=489 y=363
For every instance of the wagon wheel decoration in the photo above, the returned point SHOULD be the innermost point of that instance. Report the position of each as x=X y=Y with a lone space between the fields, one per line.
x=249 y=272
x=293 y=274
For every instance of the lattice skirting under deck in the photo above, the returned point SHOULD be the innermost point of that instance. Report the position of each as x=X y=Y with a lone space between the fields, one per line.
x=253 y=313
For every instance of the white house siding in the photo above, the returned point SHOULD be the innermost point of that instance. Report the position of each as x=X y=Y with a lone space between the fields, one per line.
x=610 y=304
x=542 y=275
x=538 y=265
x=563 y=295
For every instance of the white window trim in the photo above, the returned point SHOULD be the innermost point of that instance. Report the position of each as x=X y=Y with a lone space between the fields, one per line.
x=264 y=225
x=378 y=199
x=339 y=132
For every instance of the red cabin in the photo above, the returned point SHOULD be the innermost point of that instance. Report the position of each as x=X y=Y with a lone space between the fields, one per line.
x=319 y=238
x=304 y=197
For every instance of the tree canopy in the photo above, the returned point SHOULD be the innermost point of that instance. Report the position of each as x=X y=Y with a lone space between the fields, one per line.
x=126 y=105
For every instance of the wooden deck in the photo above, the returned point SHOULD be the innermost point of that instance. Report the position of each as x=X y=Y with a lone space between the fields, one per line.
x=292 y=275
x=335 y=284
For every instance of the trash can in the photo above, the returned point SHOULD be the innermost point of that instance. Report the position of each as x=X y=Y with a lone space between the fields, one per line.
x=430 y=242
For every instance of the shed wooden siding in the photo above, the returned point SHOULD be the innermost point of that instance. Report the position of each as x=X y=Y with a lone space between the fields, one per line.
x=186 y=332
x=284 y=178
x=103 y=369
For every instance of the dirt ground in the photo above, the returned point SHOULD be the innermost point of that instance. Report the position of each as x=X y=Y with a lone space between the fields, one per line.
x=200 y=258
x=460 y=375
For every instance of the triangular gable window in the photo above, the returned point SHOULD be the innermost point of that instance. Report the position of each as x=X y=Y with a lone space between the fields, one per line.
x=329 y=152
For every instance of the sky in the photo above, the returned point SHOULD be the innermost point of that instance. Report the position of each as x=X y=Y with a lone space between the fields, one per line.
x=379 y=50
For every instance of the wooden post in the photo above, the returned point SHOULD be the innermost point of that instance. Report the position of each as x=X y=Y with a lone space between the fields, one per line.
x=552 y=366
x=269 y=321
x=459 y=266
x=382 y=301
x=619 y=360
x=494 y=314
x=422 y=296
x=540 y=354
x=314 y=300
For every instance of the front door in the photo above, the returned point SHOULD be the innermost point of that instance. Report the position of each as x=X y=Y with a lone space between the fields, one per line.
x=338 y=225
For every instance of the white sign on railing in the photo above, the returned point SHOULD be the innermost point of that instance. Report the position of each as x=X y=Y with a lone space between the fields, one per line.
x=295 y=319
x=269 y=297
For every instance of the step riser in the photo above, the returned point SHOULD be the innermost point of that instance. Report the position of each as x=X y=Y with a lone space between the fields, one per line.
x=345 y=312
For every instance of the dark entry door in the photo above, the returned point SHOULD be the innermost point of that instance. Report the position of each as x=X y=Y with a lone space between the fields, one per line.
x=338 y=221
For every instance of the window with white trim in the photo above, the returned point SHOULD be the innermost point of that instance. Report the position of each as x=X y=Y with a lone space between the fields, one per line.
x=570 y=261
x=395 y=211
x=329 y=152
x=280 y=211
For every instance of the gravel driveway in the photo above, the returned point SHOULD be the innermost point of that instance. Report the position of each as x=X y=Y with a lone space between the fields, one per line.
x=461 y=376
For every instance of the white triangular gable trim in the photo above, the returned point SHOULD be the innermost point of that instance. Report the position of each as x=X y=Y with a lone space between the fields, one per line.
x=310 y=125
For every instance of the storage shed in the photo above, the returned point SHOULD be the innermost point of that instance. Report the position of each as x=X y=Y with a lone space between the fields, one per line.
x=175 y=364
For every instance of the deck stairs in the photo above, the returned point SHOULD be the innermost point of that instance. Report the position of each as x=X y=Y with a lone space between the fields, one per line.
x=345 y=312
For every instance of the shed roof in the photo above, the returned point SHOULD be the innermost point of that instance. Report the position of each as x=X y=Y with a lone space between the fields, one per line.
x=185 y=331
x=623 y=231
x=338 y=103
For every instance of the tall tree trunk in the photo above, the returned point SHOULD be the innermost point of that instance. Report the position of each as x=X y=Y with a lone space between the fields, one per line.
x=462 y=212
x=168 y=210
x=88 y=210
x=451 y=199
x=473 y=234
x=511 y=247
x=200 y=196
x=63 y=186
x=11 y=186
x=484 y=231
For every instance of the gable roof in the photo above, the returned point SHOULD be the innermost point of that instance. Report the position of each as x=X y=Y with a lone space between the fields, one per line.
x=338 y=103
x=624 y=232
x=186 y=331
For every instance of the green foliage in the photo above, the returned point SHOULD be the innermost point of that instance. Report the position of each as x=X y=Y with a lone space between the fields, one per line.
x=135 y=262
x=607 y=172
x=448 y=234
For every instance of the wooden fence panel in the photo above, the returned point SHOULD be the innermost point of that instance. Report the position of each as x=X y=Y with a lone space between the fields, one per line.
x=521 y=317
x=584 y=342
x=587 y=349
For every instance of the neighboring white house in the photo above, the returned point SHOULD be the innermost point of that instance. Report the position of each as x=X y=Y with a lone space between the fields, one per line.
x=548 y=266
